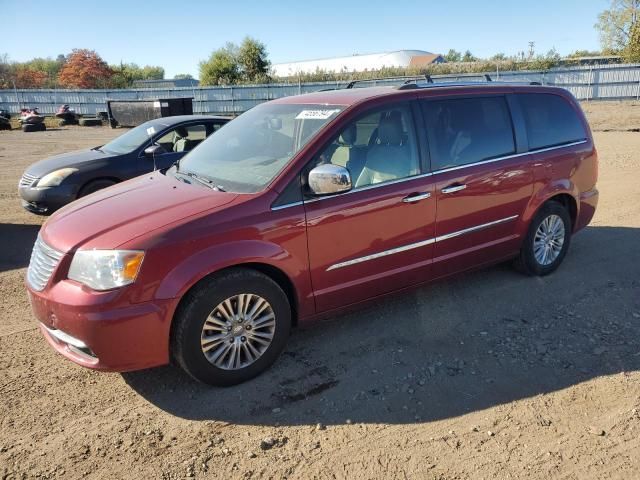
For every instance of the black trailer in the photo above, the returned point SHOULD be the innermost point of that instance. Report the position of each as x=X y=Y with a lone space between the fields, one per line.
x=131 y=113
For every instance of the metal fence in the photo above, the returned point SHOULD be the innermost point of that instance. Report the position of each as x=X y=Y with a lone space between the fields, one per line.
x=601 y=82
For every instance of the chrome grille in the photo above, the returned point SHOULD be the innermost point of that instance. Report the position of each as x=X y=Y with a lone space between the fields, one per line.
x=27 y=180
x=44 y=261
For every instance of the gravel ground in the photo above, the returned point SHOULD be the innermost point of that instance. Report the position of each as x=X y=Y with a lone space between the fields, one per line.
x=488 y=375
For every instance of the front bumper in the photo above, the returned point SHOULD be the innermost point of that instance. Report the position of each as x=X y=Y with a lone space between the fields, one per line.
x=46 y=200
x=102 y=331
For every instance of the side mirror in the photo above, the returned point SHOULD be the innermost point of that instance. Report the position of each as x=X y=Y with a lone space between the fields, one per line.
x=154 y=150
x=327 y=179
x=275 y=123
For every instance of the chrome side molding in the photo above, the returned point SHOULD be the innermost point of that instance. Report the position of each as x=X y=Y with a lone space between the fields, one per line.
x=422 y=243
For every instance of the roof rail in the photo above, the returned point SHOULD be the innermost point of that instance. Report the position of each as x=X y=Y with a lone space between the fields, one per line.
x=398 y=79
x=413 y=83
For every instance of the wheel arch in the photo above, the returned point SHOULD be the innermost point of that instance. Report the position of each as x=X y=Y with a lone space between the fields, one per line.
x=96 y=179
x=564 y=192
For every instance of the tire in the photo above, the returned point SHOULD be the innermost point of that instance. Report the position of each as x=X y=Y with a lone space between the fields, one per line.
x=30 y=127
x=90 y=122
x=530 y=264
x=201 y=304
x=94 y=186
x=42 y=127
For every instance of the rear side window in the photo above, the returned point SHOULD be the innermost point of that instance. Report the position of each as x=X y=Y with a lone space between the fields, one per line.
x=550 y=120
x=468 y=130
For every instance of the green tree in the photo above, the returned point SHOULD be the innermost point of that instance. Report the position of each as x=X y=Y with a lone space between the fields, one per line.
x=126 y=73
x=453 y=56
x=252 y=60
x=149 y=72
x=468 y=57
x=632 y=52
x=222 y=67
x=183 y=76
x=584 y=53
x=499 y=57
x=617 y=23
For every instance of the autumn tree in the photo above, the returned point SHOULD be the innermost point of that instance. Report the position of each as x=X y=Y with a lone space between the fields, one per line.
x=616 y=24
x=26 y=77
x=84 y=69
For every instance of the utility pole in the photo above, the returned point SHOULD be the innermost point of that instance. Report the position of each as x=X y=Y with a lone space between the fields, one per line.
x=531 y=49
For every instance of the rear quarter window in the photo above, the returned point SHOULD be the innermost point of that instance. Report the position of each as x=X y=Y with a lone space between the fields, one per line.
x=550 y=120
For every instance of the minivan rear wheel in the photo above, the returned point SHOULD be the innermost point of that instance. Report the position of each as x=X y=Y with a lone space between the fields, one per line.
x=231 y=327
x=547 y=240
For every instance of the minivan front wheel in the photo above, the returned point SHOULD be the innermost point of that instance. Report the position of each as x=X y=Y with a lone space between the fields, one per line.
x=231 y=327
x=547 y=240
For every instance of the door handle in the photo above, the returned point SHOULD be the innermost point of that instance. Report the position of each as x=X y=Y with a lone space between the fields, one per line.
x=416 y=197
x=453 y=188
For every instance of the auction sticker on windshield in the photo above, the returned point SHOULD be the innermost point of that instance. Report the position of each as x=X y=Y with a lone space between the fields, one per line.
x=315 y=114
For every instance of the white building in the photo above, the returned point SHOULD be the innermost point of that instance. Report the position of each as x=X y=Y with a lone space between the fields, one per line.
x=359 y=63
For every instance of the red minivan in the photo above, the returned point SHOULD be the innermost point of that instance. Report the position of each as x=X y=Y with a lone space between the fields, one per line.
x=303 y=206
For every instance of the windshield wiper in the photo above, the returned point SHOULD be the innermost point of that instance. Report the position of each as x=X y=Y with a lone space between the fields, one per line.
x=200 y=179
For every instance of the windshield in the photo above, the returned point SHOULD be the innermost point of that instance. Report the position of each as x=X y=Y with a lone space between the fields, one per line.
x=247 y=153
x=128 y=142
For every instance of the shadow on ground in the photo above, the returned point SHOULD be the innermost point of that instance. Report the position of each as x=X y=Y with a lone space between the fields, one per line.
x=466 y=344
x=16 y=242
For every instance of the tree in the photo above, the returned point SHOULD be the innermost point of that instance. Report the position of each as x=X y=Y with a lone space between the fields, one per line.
x=453 y=56
x=222 y=67
x=84 y=69
x=468 y=57
x=126 y=73
x=183 y=76
x=584 y=53
x=252 y=60
x=149 y=72
x=617 y=23
x=499 y=57
x=26 y=77
x=632 y=52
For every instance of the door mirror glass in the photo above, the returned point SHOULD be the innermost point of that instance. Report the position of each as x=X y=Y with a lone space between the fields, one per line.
x=154 y=150
x=327 y=179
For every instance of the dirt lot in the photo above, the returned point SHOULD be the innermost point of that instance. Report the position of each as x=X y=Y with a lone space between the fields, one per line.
x=488 y=375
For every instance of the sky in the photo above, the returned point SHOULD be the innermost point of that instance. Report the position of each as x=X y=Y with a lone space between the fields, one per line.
x=178 y=34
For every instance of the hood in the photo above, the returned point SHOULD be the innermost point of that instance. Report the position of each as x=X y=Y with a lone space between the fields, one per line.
x=71 y=159
x=118 y=214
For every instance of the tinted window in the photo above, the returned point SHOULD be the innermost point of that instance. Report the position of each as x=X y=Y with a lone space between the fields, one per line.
x=468 y=130
x=550 y=120
x=378 y=147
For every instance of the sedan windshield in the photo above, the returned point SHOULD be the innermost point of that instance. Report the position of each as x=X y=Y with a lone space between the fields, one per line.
x=247 y=153
x=128 y=142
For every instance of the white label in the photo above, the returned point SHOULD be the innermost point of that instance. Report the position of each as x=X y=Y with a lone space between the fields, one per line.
x=151 y=131
x=165 y=104
x=315 y=114
x=156 y=104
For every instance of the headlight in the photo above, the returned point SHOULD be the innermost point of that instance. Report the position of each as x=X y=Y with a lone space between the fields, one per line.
x=105 y=269
x=54 y=179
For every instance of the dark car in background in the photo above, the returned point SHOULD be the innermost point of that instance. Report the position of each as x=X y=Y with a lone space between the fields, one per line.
x=50 y=184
